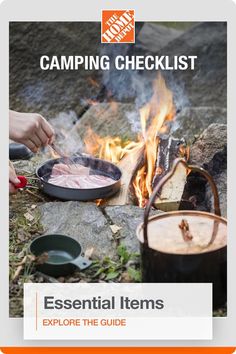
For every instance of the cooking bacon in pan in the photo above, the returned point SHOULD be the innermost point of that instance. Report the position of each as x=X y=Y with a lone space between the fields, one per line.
x=77 y=177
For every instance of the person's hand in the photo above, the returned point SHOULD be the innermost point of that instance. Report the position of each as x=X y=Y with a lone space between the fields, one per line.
x=30 y=129
x=13 y=180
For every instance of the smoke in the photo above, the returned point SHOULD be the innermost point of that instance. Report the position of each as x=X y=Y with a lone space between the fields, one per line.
x=64 y=121
x=134 y=121
x=180 y=98
x=178 y=88
x=137 y=86
x=67 y=137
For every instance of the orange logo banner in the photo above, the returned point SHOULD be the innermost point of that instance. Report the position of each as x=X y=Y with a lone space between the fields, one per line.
x=116 y=350
x=118 y=26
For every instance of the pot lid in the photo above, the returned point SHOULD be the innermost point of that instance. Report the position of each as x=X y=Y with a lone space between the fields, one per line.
x=185 y=232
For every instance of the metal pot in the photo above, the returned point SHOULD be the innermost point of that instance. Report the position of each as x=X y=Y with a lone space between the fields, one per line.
x=60 y=255
x=185 y=246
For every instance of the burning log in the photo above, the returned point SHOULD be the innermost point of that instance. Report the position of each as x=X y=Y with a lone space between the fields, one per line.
x=167 y=150
x=149 y=157
x=129 y=166
x=171 y=193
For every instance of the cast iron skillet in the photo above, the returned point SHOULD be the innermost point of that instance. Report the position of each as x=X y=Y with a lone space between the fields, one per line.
x=97 y=166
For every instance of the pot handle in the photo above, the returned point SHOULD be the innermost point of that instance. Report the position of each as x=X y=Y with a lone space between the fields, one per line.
x=81 y=262
x=166 y=178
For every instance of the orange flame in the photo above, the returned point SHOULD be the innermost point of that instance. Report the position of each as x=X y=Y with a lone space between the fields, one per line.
x=154 y=118
x=109 y=148
x=158 y=112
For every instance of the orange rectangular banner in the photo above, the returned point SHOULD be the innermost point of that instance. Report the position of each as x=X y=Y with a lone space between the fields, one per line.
x=116 y=350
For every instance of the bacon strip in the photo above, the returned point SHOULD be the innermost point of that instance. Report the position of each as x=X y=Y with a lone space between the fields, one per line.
x=77 y=177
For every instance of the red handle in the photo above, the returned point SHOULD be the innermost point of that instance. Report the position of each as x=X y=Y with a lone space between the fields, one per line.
x=23 y=182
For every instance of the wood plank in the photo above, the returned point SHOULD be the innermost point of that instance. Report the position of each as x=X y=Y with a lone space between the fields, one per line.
x=171 y=194
x=129 y=166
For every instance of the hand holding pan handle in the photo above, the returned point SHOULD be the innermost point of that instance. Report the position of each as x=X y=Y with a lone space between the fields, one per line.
x=166 y=178
x=23 y=182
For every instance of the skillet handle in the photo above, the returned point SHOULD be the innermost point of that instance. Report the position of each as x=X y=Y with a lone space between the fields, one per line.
x=81 y=262
x=23 y=182
x=166 y=178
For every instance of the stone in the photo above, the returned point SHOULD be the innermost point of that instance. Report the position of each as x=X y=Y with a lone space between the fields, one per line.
x=221 y=183
x=82 y=221
x=153 y=36
x=192 y=121
x=210 y=152
x=127 y=217
x=207 y=84
x=50 y=92
x=210 y=149
x=108 y=119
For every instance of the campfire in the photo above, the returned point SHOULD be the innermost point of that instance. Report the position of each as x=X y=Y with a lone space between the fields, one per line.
x=145 y=160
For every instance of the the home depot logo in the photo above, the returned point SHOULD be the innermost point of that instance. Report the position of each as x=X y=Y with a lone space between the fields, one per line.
x=118 y=26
